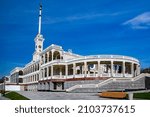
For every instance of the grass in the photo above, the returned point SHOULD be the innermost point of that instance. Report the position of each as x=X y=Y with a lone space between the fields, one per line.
x=15 y=96
x=142 y=95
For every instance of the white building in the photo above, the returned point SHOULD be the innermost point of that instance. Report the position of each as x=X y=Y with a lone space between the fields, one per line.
x=59 y=70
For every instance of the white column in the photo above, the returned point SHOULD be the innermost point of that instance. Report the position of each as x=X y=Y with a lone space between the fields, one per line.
x=139 y=69
x=52 y=71
x=98 y=68
x=44 y=58
x=34 y=67
x=136 y=69
x=60 y=73
x=112 y=71
x=82 y=69
x=35 y=76
x=40 y=75
x=132 y=69
x=47 y=72
x=30 y=78
x=47 y=57
x=85 y=69
x=123 y=65
x=74 y=70
x=43 y=73
x=130 y=96
x=52 y=55
x=66 y=70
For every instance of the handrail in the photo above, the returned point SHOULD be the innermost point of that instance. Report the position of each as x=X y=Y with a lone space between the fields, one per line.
x=107 y=81
x=104 y=82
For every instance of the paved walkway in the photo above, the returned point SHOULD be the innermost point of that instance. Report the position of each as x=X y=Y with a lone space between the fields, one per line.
x=60 y=96
x=2 y=97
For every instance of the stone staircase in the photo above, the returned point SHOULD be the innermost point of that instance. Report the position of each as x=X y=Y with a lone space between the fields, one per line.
x=137 y=82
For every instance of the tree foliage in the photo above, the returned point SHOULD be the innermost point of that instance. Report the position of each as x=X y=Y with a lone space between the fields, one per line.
x=145 y=70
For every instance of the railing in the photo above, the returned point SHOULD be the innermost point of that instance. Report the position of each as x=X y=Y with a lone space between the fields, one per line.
x=91 y=57
x=117 y=75
x=104 y=82
x=74 y=87
x=58 y=77
x=69 y=76
x=128 y=75
x=141 y=76
x=79 y=76
x=104 y=56
x=105 y=75
x=92 y=75
x=107 y=81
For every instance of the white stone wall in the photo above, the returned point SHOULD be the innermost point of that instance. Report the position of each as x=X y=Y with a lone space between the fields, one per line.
x=67 y=56
x=12 y=87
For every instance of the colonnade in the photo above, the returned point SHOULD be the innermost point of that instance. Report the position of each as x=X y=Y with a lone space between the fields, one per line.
x=90 y=69
x=32 y=87
x=32 y=78
x=50 y=56
x=31 y=68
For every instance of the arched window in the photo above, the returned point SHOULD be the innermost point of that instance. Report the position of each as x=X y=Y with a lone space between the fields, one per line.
x=38 y=67
x=20 y=72
x=56 y=55
x=45 y=58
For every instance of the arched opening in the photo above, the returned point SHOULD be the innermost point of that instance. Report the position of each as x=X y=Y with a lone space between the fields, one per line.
x=20 y=72
x=38 y=67
x=42 y=59
x=50 y=56
x=56 y=55
x=45 y=58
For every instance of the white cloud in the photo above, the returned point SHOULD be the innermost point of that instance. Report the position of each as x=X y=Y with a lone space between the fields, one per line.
x=141 y=21
x=89 y=16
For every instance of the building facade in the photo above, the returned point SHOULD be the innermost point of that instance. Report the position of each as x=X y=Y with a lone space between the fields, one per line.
x=54 y=69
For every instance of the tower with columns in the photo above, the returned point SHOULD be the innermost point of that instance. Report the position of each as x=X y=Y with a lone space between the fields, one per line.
x=38 y=39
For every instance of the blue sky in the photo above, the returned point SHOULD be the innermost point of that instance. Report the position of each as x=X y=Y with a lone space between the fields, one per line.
x=88 y=27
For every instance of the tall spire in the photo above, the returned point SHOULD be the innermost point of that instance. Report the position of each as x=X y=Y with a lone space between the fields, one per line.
x=40 y=18
x=38 y=39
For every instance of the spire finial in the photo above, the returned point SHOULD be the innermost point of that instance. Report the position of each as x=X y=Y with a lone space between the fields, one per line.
x=40 y=18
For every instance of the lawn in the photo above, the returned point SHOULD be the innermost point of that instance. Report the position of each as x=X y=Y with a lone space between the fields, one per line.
x=15 y=96
x=142 y=95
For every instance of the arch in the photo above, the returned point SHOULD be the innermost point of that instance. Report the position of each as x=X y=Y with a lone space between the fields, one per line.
x=56 y=55
x=20 y=72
